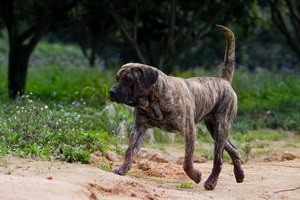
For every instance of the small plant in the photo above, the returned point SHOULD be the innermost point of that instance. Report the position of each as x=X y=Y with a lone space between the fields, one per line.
x=75 y=155
x=107 y=168
x=247 y=150
x=185 y=185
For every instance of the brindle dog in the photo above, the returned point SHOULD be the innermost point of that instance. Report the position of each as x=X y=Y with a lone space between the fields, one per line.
x=176 y=105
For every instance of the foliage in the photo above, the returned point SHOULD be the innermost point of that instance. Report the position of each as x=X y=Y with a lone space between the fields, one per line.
x=31 y=128
x=161 y=31
x=285 y=15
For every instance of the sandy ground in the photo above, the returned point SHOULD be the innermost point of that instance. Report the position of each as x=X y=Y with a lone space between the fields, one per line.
x=29 y=179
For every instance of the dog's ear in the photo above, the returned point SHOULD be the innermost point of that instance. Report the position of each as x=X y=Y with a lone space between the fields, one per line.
x=150 y=76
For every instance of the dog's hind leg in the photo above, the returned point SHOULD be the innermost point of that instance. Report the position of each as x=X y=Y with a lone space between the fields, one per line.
x=237 y=164
x=220 y=134
x=188 y=166
x=231 y=150
x=136 y=138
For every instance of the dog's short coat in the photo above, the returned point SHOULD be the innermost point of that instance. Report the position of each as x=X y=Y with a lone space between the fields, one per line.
x=176 y=105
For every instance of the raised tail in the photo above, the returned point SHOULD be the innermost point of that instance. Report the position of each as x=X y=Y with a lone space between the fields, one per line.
x=229 y=58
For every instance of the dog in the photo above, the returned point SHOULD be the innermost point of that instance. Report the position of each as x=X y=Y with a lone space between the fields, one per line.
x=176 y=105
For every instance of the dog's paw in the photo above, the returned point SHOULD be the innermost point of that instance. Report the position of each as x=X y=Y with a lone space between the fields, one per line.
x=197 y=177
x=239 y=175
x=211 y=183
x=119 y=171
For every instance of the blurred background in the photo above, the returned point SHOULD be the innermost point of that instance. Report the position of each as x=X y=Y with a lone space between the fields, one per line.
x=59 y=58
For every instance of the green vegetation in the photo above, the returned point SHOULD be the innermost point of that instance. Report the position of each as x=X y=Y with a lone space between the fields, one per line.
x=261 y=135
x=107 y=168
x=185 y=185
x=67 y=115
x=31 y=128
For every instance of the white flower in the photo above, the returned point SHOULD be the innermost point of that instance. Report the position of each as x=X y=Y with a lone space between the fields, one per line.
x=46 y=107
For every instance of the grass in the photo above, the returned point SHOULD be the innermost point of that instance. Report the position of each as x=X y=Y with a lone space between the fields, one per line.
x=187 y=185
x=67 y=115
x=267 y=135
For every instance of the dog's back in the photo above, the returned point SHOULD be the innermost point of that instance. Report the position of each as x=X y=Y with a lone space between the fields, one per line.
x=209 y=93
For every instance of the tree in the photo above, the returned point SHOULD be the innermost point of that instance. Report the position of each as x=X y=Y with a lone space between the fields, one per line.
x=286 y=16
x=91 y=28
x=26 y=22
x=161 y=31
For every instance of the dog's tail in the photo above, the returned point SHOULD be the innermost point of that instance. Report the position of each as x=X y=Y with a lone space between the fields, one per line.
x=229 y=59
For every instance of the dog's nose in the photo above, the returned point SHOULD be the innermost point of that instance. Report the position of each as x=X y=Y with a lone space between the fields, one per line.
x=112 y=93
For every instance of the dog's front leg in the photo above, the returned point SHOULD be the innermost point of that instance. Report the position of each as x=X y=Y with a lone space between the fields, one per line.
x=136 y=138
x=188 y=165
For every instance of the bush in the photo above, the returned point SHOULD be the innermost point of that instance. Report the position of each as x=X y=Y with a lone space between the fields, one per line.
x=31 y=128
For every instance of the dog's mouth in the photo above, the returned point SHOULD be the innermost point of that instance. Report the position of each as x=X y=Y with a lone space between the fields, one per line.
x=117 y=100
x=125 y=100
x=131 y=104
x=111 y=98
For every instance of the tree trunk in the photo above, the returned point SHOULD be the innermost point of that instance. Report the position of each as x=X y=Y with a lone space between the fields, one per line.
x=17 y=70
x=22 y=44
x=92 y=59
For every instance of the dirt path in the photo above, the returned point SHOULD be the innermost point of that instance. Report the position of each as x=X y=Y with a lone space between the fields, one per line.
x=35 y=179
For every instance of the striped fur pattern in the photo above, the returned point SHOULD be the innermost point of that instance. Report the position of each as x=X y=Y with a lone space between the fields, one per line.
x=176 y=105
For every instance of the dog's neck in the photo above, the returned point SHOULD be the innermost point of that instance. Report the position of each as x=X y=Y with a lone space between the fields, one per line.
x=151 y=102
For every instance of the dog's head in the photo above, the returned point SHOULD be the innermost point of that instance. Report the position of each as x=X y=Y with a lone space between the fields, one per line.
x=134 y=81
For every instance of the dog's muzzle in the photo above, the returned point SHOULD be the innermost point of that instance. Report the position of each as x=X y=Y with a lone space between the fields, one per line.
x=112 y=94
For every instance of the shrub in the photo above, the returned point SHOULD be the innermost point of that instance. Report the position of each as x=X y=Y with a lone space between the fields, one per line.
x=31 y=128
